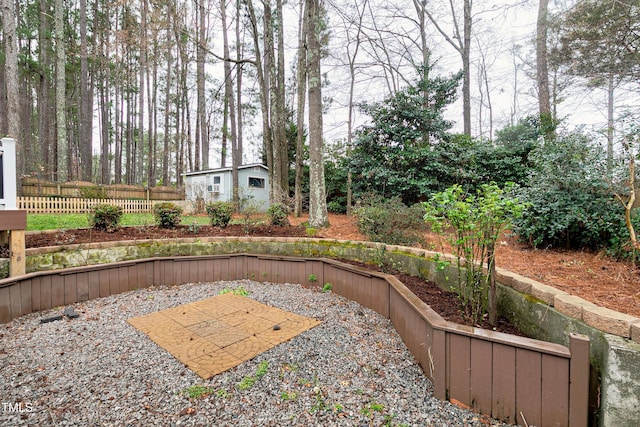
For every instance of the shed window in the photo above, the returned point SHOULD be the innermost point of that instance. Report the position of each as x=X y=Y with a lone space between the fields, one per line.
x=255 y=182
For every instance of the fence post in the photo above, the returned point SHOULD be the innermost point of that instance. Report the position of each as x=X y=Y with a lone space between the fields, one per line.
x=579 y=380
x=13 y=222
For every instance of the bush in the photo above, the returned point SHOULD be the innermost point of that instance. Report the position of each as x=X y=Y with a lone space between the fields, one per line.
x=105 y=217
x=93 y=192
x=390 y=221
x=220 y=213
x=167 y=215
x=278 y=214
x=570 y=203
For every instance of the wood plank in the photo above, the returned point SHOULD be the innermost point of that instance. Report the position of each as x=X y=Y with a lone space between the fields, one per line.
x=555 y=391
x=83 y=286
x=105 y=283
x=45 y=292
x=528 y=387
x=503 y=396
x=93 y=284
x=15 y=300
x=459 y=368
x=36 y=294
x=114 y=281
x=70 y=289
x=5 y=305
x=579 y=381
x=57 y=291
x=480 y=384
x=25 y=297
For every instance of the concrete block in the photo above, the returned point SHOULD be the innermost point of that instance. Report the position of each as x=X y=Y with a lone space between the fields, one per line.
x=608 y=320
x=635 y=331
x=545 y=293
x=570 y=305
x=522 y=284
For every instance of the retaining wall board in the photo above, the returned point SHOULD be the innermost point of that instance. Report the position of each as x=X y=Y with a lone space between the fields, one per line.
x=104 y=283
x=57 y=291
x=459 y=367
x=45 y=292
x=70 y=289
x=36 y=293
x=555 y=391
x=83 y=286
x=480 y=384
x=5 y=305
x=528 y=385
x=504 y=383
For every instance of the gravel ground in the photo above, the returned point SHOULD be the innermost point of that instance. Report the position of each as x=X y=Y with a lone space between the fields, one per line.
x=351 y=370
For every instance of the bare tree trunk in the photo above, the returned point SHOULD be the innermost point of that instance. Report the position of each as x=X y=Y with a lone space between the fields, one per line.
x=542 y=69
x=302 y=89
x=318 y=216
x=11 y=69
x=466 y=69
x=230 y=106
x=281 y=117
x=61 y=105
x=264 y=92
x=202 y=138
x=44 y=92
x=238 y=148
x=86 y=108
x=167 y=100
x=610 y=124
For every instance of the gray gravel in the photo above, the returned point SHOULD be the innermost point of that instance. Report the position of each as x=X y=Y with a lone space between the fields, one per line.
x=97 y=370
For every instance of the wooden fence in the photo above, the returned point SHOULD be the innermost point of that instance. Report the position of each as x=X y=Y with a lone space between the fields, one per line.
x=514 y=379
x=33 y=187
x=46 y=205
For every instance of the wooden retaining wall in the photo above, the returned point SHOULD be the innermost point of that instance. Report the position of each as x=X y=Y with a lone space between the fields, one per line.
x=514 y=379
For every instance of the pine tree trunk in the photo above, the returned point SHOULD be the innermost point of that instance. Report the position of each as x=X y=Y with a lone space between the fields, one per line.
x=61 y=105
x=318 y=216
x=302 y=89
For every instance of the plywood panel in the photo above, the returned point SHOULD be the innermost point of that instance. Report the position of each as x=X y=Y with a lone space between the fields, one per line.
x=459 y=367
x=480 y=383
x=555 y=391
x=528 y=383
x=503 y=396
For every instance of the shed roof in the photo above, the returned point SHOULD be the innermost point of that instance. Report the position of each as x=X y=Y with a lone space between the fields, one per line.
x=227 y=169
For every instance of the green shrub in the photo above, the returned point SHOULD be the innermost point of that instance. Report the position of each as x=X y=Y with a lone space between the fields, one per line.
x=278 y=214
x=167 y=215
x=570 y=202
x=93 y=192
x=336 y=207
x=390 y=221
x=105 y=217
x=220 y=213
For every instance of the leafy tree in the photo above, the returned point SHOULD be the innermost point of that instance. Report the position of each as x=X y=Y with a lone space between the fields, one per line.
x=393 y=154
x=599 y=37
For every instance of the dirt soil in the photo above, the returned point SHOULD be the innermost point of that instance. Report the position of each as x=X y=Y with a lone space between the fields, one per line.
x=592 y=276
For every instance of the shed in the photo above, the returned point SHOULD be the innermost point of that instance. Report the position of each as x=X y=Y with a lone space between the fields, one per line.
x=216 y=184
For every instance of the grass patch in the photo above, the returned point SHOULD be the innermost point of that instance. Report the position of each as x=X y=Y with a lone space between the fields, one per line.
x=37 y=222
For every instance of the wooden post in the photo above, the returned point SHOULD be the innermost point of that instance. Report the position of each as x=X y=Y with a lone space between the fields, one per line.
x=17 y=263
x=579 y=380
